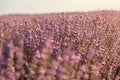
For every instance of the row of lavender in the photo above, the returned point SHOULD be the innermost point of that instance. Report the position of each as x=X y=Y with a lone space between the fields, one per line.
x=65 y=46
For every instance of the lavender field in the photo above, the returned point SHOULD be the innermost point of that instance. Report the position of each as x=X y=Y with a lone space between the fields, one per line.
x=61 y=46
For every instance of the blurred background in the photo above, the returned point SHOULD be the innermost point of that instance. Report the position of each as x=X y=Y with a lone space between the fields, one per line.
x=55 y=6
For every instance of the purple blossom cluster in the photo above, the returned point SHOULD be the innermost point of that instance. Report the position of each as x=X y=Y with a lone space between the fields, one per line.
x=64 y=46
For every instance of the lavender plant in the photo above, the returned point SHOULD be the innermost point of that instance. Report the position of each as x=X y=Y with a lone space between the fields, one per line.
x=76 y=46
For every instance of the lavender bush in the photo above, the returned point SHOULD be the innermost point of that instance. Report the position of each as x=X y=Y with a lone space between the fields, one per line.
x=64 y=46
